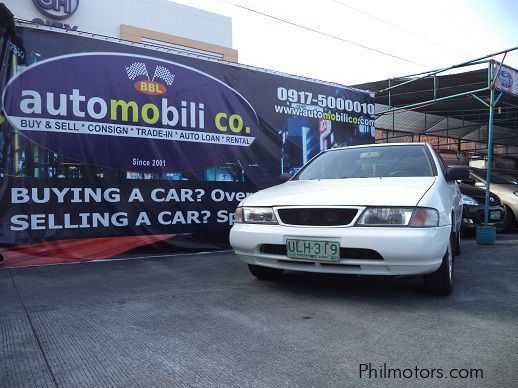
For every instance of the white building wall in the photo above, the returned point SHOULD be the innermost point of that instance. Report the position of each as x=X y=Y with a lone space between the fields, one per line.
x=104 y=17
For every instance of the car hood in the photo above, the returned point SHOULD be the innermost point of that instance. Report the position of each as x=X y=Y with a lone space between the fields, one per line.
x=476 y=193
x=352 y=191
x=506 y=193
x=472 y=191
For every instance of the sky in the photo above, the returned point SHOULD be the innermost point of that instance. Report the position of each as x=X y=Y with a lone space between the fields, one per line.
x=398 y=37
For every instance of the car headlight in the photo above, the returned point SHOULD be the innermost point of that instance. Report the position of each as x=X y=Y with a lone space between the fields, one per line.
x=255 y=215
x=390 y=216
x=466 y=200
x=515 y=193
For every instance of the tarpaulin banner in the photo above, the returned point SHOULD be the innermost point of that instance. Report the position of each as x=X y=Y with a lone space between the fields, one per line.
x=104 y=139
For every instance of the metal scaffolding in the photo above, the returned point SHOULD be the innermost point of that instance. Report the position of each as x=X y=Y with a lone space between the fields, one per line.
x=415 y=94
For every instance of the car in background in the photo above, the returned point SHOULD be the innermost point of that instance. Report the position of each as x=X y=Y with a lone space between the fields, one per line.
x=473 y=201
x=511 y=175
x=505 y=188
x=377 y=209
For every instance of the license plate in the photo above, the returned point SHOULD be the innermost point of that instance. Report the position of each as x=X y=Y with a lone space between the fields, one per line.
x=494 y=215
x=313 y=249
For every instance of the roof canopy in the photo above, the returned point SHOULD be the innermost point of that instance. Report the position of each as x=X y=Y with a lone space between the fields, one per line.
x=463 y=117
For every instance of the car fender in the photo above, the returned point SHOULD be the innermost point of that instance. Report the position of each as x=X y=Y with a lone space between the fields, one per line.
x=446 y=199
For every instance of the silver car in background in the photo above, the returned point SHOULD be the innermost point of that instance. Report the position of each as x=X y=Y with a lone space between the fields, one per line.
x=503 y=186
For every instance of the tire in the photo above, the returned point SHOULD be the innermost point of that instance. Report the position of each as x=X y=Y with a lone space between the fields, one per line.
x=265 y=273
x=458 y=237
x=509 y=220
x=440 y=282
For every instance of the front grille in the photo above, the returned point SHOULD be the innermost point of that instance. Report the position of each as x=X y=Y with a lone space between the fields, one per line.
x=274 y=249
x=493 y=200
x=317 y=216
x=345 y=253
x=309 y=263
x=360 y=254
x=478 y=217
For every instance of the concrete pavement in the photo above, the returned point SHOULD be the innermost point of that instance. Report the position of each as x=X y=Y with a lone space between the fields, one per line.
x=201 y=320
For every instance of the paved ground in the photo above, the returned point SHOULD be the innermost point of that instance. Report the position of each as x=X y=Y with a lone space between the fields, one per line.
x=202 y=320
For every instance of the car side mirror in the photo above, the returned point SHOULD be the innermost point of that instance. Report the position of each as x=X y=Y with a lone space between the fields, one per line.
x=457 y=173
x=285 y=178
x=469 y=181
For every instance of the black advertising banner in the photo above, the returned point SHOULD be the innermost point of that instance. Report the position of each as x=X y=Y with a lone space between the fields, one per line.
x=188 y=120
x=103 y=139
x=69 y=208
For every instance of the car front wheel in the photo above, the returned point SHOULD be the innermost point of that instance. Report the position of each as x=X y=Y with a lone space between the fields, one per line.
x=440 y=282
x=458 y=238
x=509 y=220
x=265 y=273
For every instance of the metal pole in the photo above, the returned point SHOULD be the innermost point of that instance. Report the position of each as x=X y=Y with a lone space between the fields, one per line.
x=435 y=87
x=489 y=140
x=463 y=64
x=16 y=140
x=421 y=104
x=390 y=107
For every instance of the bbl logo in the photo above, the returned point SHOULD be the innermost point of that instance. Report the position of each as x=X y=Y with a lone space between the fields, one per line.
x=506 y=79
x=57 y=9
x=150 y=86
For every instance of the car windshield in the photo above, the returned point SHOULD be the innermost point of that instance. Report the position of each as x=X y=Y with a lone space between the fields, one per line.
x=369 y=162
x=495 y=178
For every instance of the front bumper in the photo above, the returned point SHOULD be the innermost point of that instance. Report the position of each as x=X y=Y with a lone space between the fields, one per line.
x=473 y=215
x=403 y=250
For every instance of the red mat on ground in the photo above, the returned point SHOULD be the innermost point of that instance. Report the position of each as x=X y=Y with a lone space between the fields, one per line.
x=70 y=251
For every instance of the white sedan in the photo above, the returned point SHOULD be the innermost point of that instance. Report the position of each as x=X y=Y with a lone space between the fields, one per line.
x=378 y=209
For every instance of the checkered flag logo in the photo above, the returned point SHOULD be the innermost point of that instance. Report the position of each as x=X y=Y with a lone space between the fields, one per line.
x=164 y=74
x=136 y=69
